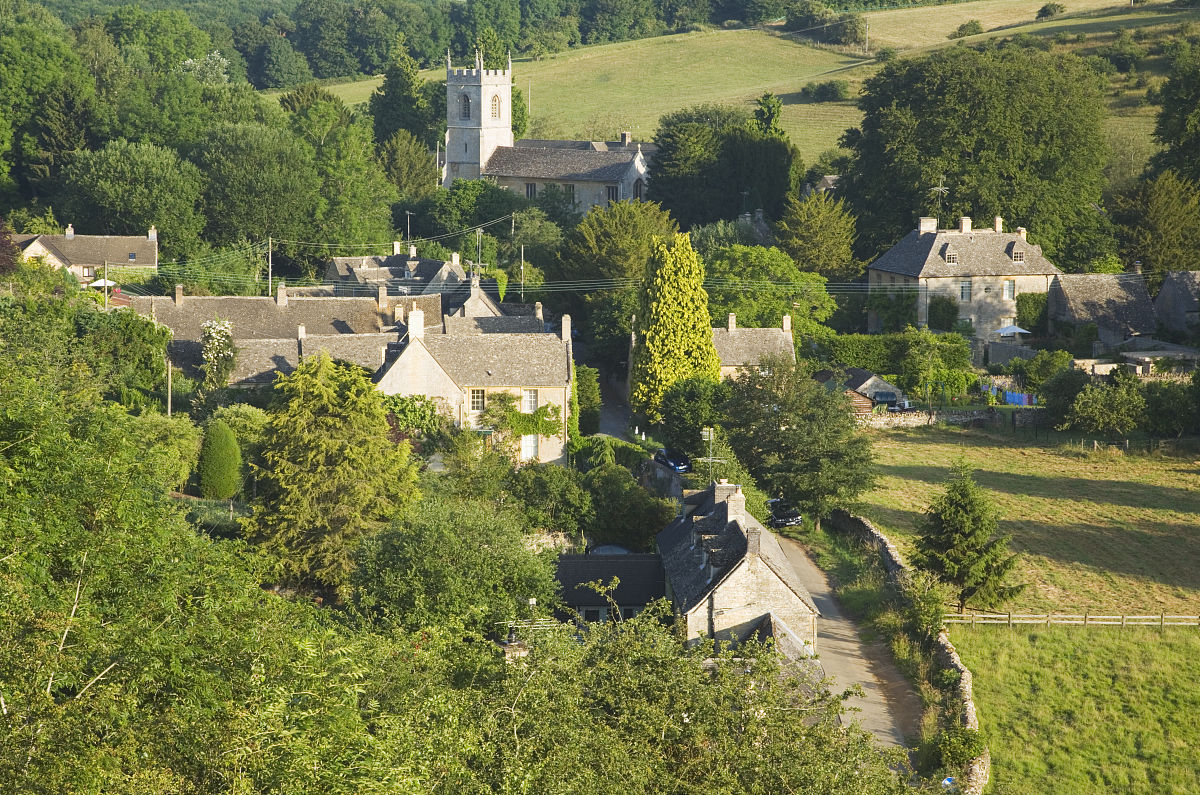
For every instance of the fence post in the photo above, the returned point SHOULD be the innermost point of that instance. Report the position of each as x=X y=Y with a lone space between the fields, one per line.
x=1122 y=621
x=1010 y=620
x=1162 y=621
x=1085 y=617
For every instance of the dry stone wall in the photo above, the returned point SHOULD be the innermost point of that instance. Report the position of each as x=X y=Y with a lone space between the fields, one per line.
x=977 y=773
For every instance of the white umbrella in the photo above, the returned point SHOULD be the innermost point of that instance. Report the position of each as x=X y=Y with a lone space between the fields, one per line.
x=1009 y=330
x=102 y=283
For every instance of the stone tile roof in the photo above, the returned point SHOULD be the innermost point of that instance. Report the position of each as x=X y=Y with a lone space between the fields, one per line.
x=366 y=350
x=1115 y=301
x=1186 y=288
x=648 y=148
x=258 y=360
x=641 y=578
x=394 y=268
x=747 y=346
x=504 y=324
x=96 y=249
x=567 y=165
x=500 y=360
x=979 y=253
x=256 y=317
x=858 y=378
x=710 y=534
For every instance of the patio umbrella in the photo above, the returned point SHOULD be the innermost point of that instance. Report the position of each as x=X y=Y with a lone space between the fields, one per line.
x=102 y=283
x=1009 y=330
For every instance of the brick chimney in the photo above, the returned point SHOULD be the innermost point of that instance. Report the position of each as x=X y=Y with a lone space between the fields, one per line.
x=70 y=232
x=787 y=323
x=998 y=225
x=178 y=294
x=381 y=298
x=964 y=224
x=732 y=322
x=416 y=323
x=1022 y=232
x=566 y=328
x=412 y=252
x=152 y=235
x=926 y=225
x=281 y=296
x=300 y=333
x=397 y=248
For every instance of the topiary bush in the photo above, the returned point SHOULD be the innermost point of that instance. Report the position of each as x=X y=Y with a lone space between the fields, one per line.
x=220 y=462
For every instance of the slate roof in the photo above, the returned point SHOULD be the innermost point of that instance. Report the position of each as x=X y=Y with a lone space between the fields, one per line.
x=726 y=542
x=504 y=324
x=257 y=360
x=856 y=379
x=567 y=165
x=641 y=578
x=96 y=249
x=417 y=273
x=1115 y=301
x=1186 y=288
x=647 y=147
x=256 y=317
x=747 y=346
x=980 y=253
x=499 y=360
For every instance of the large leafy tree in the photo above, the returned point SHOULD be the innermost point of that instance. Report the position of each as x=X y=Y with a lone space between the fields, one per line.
x=125 y=188
x=680 y=171
x=408 y=165
x=1107 y=409
x=330 y=476
x=1159 y=225
x=1178 y=127
x=798 y=438
x=1006 y=131
x=673 y=335
x=761 y=285
x=818 y=232
x=959 y=544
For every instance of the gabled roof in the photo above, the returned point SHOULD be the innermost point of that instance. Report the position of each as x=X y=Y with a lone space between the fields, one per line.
x=257 y=360
x=856 y=379
x=978 y=253
x=256 y=317
x=1186 y=288
x=482 y=360
x=504 y=324
x=743 y=347
x=96 y=249
x=568 y=165
x=1115 y=301
x=641 y=578
x=646 y=147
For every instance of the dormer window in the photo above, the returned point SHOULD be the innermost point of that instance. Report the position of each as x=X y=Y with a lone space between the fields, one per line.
x=1018 y=256
x=464 y=106
x=951 y=258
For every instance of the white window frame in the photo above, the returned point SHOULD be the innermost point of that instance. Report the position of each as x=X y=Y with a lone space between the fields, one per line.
x=477 y=396
x=1018 y=256
x=964 y=290
x=529 y=447
x=951 y=258
x=529 y=401
x=1010 y=289
x=89 y=271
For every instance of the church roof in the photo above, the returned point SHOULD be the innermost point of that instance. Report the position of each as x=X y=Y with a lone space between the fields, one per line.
x=553 y=163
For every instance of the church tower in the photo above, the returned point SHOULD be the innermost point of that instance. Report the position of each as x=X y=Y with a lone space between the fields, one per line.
x=478 y=117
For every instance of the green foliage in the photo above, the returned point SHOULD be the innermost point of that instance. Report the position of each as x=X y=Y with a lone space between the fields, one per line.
x=689 y=405
x=1041 y=368
x=1108 y=409
x=249 y=425
x=958 y=543
x=1050 y=10
x=971 y=27
x=767 y=112
x=172 y=446
x=879 y=353
x=626 y=513
x=220 y=462
x=402 y=103
x=817 y=21
x=1176 y=127
x=1041 y=169
x=414 y=414
x=826 y=91
x=1109 y=263
x=1159 y=225
x=674 y=339
x=818 y=232
x=587 y=392
x=709 y=238
x=1031 y=312
x=895 y=311
x=1170 y=408
x=552 y=498
x=943 y=312
x=509 y=423
x=728 y=467
x=330 y=477
x=10 y=255
x=761 y=285
x=936 y=364
x=450 y=560
x=408 y=165
x=1059 y=392
x=798 y=438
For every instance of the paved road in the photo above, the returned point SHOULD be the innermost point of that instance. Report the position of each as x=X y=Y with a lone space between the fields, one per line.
x=614 y=411
x=890 y=709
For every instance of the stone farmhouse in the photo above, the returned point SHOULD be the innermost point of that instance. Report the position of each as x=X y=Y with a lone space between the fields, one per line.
x=85 y=256
x=1117 y=303
x=741 y=348
x=479 y=143
x=728 y=578
x=983 y=270
x=1177 y=304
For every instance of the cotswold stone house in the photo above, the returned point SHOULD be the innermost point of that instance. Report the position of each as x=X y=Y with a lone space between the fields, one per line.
x=1117 y=303
x=479 y=143
x=728 y=578
x=983 y=270
x=740 y=348
x=85 y=256
x=1177 y=304
x=461 y=371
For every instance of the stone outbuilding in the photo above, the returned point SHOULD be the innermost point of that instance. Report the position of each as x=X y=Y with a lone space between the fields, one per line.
x=863 y=389
x=1117 y=303
x=1177 y=304
x=727 y=575
x=982 y=270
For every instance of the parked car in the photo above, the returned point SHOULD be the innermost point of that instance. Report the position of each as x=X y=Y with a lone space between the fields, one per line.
x=674 y=460
x=783 y=514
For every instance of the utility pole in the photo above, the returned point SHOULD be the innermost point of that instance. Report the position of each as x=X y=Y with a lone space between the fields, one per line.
x=707 y=435
x=168 y=358
x=522 y=273
x=408 y=226
x=269 y=268
x=478 y=250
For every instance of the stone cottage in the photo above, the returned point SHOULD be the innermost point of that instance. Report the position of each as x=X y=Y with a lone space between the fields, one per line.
x=86 y=256
x=1177 y=304
x=1117 y=303
x=740 y=348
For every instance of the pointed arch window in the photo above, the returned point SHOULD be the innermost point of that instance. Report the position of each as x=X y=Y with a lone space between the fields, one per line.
x=495 y=106
x=464 y=105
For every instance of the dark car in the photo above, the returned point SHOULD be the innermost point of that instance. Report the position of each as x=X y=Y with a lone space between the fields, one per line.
x=674 y=460
x=783 y=514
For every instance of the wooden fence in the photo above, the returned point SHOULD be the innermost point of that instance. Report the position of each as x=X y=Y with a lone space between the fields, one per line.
x=1161 y=620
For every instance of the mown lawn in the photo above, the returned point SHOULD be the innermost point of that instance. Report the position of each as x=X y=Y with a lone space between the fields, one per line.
x=1064 y=709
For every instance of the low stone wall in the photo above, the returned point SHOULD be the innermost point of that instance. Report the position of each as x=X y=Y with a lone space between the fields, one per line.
x=977 y=773
x=984 y=418
x=1005 y=352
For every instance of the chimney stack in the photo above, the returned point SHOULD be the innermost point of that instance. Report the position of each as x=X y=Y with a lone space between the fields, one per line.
x=70 y=232
x=787 y=323
x=626 y=138
x=732 y=323
x=178 y=294
x=454 y=259
x=152 y=235
x=566 y=328
x=737 y=504
x=281 y=296
x=416 y=323
x=998 y=225
x=1137 y=267
x=925 y=224
x=722 y=490
x=537 y=310
x=1021 y=232
x=397 y=247
x=381 y=298
x=964 y=224
x=412 y=252
x=300 y=333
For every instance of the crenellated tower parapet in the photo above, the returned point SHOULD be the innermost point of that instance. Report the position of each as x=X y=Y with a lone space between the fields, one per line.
x=478 y=117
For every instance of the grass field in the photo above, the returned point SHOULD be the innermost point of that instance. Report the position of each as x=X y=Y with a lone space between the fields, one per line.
x=1068 y=710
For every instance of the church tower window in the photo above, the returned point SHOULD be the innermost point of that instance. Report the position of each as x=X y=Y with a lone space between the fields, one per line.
x=464 y=104
x=495 y=106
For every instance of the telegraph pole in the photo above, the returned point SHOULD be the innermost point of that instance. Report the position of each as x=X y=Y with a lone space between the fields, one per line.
x=522 y=273
x=168 y=358
x=269 y=268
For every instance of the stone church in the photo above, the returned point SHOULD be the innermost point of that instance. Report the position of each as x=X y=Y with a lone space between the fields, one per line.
x=479 y=143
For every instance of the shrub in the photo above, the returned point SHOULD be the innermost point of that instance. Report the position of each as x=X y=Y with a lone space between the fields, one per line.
x=220 y=463
x=1050 y=10
x=826 y=91
x=1031 y=312
x=957 y=746
x=969 y=28
x=879 y=353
